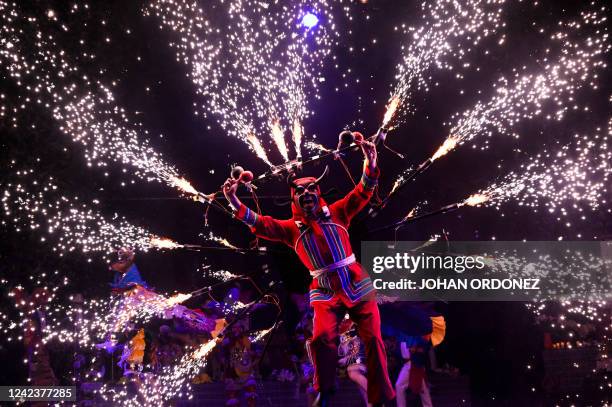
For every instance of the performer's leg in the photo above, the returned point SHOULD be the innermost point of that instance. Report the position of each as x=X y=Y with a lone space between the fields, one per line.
x=324 y=345
x=425 y=395
x=401 y=385
x=365 y=314
x=357 y=374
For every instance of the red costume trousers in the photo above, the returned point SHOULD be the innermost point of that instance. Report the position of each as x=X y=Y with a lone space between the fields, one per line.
x=325 y=340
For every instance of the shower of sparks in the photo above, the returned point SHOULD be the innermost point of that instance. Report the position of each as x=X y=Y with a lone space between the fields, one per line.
x=93 y=321
x=178 y=298
x=158 y=389
x=583 y=46
x=33 y=205
x=222 y=275
x=415 y=210
x=569 y=276
x=391 y=109
x=571 y=178
x=259 y=335
x=297 y=132
x=400 y=180
x=476 y=199
x=261 y=66
x=279 y=139
x=164 y=243
x=183 y=185
x=96 y=320
x=449 y=144
x=257 y=147
x=222 y=241
x=311 y=145
x=451 y=29
x=83 y=108
x=595 y=312
x=410 y=214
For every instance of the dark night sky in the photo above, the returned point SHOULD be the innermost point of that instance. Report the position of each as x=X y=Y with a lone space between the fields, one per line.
x=478 y=334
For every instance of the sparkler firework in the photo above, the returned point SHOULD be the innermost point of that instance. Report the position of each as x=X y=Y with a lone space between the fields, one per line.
x=255 y=68
x=255 y=74
x=525 y=96
x=571 y=276
x=172 y=382
x=572 y=178
x=84 y=108
x=38 y=206
x=583 y=45
x=96 y=320
x=450 y=31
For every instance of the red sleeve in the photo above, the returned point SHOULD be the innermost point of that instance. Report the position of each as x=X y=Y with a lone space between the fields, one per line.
x=265 y=227
x=349 y=206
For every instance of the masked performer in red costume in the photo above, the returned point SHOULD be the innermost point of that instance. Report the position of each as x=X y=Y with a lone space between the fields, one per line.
x=318 y=233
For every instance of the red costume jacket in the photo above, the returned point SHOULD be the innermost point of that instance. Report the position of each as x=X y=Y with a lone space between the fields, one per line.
x=323 y=242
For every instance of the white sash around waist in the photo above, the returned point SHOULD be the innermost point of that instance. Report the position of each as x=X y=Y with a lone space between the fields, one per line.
x=347 y=261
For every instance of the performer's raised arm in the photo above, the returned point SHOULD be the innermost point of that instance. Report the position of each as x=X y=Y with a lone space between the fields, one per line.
x=265 y=227
x=354 y=201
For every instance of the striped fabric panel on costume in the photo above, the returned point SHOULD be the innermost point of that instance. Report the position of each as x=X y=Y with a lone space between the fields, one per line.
x=320 y=295
x=367 y=182
x=250 y=217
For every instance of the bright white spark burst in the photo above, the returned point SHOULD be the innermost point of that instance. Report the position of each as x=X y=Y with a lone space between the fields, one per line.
x=400 y=179
x=583 y=46
x=256 y=72
x=159 y=388
x=571 y=275
x=451 y=28
x=572 y=178
x=221 y=240
x=33 y=205
x=319 y=148
x=84 y=108
x=94 y=321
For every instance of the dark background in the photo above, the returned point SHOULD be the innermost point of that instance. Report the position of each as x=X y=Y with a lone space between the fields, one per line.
x=492 y=342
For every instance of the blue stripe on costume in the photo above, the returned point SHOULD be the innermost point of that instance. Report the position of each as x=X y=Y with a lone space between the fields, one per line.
x=311 y=251
x=333 y=245
x=315 y=249
x=320 y=295
x=250 y=217
x=367 y=182
x=354 y=292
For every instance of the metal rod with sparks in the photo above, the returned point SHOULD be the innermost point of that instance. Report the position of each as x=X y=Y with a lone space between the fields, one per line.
x=411 y=176
x=472 y=200
x=297 y=164
x=403 y=222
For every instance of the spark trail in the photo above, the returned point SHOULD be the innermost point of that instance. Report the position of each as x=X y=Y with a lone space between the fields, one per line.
x=96 y=320
x=571 y=178
x=450 y=31
x=571 y=276
x=83 y=108
x=33 y=205
x=256 y=73
x=583 y=45
x=170 y=383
